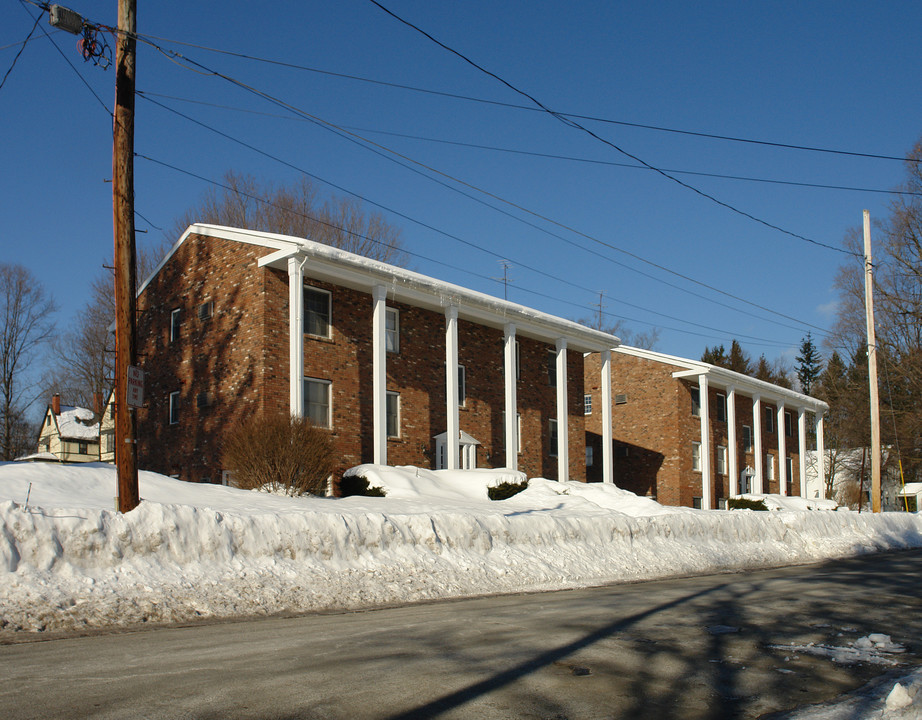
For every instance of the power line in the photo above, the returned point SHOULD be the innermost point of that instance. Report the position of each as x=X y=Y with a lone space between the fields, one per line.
x=577 y=126
x=519 y=106
x=13 y=64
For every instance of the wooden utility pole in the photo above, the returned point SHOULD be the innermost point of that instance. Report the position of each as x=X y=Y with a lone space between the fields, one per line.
x=872 y=367
x=126 y=448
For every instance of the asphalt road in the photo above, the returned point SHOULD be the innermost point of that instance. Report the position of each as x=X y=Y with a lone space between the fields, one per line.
x=698 y=647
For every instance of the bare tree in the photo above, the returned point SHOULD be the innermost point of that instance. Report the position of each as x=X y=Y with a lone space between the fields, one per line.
x=27 y=325
x=297 y=210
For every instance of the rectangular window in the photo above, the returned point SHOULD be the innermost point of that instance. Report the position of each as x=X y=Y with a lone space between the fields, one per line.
x=696 y=456
x=589 y=456
x=721 y=460
x=462 y=385
x=587 y=404
x=109 y=442
x=392 y=330
x=205 y=310
x=789 y=473
x=518 y=371
x=518 y=428
x=770 y=467
x=317 y=402
x=696 y=401
x=769 y=420
x=552 y=437
x=788 y=424
x=552 y=368
x=392 y=414
x=175 y=324
x=82 y=448
x=203 y=400
x=317 y=312
x=174 y=407
x=747 y=438
x=720 y=411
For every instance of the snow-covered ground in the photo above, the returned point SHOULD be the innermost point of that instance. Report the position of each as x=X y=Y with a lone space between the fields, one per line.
x=69 y=561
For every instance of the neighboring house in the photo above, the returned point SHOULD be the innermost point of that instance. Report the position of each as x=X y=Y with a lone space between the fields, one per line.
x=107 y=430
x=400 y=368
x=689 y=433
x=69 y=433
x=848 y=467
x=910 y=497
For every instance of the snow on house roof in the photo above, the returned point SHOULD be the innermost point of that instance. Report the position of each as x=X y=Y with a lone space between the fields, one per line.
x=77 y=423
x=724 y=378
x=361 y=273
x=911 y=488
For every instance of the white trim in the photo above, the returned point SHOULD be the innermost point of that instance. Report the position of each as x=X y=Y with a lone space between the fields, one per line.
x=607 y=464
x=511 y=432
x=706 y=491
x=802 y=449
x=758 y=462
x=329 y=387
x=452 y=425
x=296 y=335
x=782 y=450
x=379 y=374
x=563 y=435
x=732 y=444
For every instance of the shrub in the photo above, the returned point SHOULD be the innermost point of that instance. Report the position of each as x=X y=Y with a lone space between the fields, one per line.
x=506 y=489
x=745 y=504
x=358 y=485
x=279 y=452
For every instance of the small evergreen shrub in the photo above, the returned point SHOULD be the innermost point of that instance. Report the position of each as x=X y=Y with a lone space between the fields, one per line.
x=279 y=453
x=506 y=490
x=358 y=485
x=745 y=504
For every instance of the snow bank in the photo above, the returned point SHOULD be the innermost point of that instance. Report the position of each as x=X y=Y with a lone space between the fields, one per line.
x=68 y=560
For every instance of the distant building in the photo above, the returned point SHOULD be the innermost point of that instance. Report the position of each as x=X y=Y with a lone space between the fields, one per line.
x=69 y=433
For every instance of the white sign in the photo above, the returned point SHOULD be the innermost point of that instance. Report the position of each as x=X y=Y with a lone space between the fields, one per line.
x=135 y=386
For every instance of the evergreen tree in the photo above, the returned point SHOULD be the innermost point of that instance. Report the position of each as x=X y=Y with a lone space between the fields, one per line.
x=738 y=360
x=809 y=365
x=716 y=355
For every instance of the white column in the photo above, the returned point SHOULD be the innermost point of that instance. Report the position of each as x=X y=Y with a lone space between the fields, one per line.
x=452 y=416
x=511 y=429
x=782 y=451
x=704 y=413
x=820 y=453
x=296 y=336
x=732 y=463
x=758 y=460
x=379 y=374
x=802 y=449
x=607 y=465
x=563 y=434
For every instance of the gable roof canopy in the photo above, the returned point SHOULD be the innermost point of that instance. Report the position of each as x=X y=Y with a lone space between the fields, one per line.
x=722 y=378
x=327 y=263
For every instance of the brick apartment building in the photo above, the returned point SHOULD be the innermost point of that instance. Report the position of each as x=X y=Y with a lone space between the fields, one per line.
x=749 y=435
x=402 y=369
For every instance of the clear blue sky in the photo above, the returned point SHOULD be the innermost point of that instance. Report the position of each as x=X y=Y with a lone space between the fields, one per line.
x=836 y=75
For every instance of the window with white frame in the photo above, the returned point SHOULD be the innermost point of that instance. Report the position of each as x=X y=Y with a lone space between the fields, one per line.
x=720 y=410
x=174 y=407
x=552 y=436
x=788 y=424
x=696 y=401
x=518 y=371
x=175 y=324
x=769 y=419
x=769 y=466
x=747 y=438
x=587 y=404
x=317 y=402
x=462 y=385
x=721 y=460
x=317 y=311
x=789 y=472
x=392 y=414
x=518 y=428
x=696 y=456
x=392 y=330
x=552 y=368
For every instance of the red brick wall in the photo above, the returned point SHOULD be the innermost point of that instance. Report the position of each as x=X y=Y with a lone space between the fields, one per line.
x=241 y=358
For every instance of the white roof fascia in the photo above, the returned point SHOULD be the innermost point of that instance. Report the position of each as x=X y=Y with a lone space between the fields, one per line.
x=723 y=378
x=360 y=273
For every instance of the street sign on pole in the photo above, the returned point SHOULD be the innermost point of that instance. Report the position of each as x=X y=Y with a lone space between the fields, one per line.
x=135 y=387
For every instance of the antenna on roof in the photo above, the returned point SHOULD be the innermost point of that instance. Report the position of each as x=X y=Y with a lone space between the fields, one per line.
x=505 y=278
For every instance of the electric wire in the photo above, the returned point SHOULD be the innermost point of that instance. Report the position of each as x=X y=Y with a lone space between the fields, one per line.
x=13 y=64
x=582 y=128
x=533 y=153
x=519 y=106
x=722 y=334
x=474 y=245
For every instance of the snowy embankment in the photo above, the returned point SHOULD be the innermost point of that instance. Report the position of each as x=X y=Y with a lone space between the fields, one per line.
x=67 y=560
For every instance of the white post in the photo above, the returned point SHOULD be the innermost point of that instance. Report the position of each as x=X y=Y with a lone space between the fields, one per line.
x=608 y=474
x=296 y=336
x=703 y=411
x=872 y=365
x=563 y=435
x=758 y=460
x=802 y=449
x=782 y=450
x=511 y=402
x=452 y=415
x=820 y=453
x=732 y=463
x=379 y=374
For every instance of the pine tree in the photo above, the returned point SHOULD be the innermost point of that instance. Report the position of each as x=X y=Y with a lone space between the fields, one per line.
x=738 y=360
x=809 y=365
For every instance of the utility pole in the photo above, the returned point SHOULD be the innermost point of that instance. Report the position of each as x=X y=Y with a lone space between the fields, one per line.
x=126 y=448
x=872 y=367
